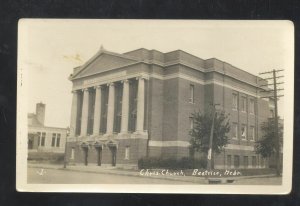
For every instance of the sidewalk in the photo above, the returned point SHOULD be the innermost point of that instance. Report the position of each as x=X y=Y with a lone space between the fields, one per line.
x=118 y=171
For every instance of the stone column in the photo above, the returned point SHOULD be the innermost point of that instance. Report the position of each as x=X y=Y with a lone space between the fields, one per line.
x=140 y=105
x=125 y=107
x=97 y=111
x=74 y=114
x=110 y=109
x=85 y=109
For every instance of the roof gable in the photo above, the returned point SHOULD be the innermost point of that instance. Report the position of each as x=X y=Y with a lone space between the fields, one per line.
x=103 y=62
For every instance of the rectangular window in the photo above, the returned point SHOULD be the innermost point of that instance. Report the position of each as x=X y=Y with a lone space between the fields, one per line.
x=39 y=138
x=127 y=151
x=191 y=123
x=236 y=161
x=53 y=140
x=252 y=133
x=244 y=104
x=43 y=139
x=254 y=162
x=234 y=101
x=191 y=93
x=243 y=132
x=246 y=161
x=58 y=140
x=228 y=161
x=251 y=106
x=234 y=131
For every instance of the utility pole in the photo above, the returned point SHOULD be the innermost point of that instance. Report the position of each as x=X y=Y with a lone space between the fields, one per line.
x=276 y=97
x=65 y=154
x=210 y=147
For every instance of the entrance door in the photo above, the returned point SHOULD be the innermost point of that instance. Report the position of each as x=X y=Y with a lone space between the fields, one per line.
x=86 y=153
x=99 y=156
x=113 y=150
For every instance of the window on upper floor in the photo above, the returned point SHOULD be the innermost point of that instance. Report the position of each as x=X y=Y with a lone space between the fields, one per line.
x=234 y=131
x=251 y=106
x=243 y=132
x=234 y=101
x=191 y=100
x=244 y=104
x=252 y=133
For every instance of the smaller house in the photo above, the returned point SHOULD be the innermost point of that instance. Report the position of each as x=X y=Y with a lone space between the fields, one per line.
x=42 y=138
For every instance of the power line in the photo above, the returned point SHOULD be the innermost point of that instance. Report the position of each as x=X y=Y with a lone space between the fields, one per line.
x=275 y=97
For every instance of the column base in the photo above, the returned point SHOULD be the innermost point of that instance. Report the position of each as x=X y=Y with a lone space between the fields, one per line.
x=71 y=162
x=141 y=132
x=106 y=135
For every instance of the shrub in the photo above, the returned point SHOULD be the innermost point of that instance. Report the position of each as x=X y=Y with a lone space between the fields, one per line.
x=46 y=157
x=170 y=163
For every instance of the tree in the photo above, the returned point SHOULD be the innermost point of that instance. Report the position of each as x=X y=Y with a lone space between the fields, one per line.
x=266 y=146
x=200 y=134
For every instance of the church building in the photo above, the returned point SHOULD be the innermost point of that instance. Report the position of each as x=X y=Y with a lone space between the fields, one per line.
x=139 y=104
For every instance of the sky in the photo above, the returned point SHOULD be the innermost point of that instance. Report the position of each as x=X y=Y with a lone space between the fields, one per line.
x=50 y=49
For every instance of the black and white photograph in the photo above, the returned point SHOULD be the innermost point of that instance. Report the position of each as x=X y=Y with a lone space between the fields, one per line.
x=155 y=106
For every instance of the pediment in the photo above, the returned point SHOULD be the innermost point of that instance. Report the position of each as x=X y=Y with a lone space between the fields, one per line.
x=103 y=62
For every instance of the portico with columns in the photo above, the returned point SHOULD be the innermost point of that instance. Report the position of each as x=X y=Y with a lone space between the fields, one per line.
x=84 y=109
x=110 y=115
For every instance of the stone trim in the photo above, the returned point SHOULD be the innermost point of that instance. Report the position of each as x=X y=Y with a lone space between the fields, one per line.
x=153 y=143
x=239 y=147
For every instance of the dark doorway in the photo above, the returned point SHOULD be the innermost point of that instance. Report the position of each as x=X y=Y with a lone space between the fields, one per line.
x=99 y=155
x=113 y=150
x=86 y=154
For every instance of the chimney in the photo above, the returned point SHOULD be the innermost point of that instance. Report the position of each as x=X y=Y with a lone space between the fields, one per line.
x=40 y=112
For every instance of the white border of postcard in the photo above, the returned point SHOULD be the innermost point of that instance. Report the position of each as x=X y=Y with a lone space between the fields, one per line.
x=21 y=156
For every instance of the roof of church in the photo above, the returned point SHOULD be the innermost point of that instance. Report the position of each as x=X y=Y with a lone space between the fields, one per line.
x=105 y=60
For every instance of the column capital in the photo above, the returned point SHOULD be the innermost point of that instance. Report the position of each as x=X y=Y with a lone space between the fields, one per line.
x=142 y=77
x=85 y=89
x=111 y=84
x=97 y=87
x=124 y=81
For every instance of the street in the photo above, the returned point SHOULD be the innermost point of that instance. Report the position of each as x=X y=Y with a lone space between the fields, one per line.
x=60 y=176
x=260 y=181
x=55 y=176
